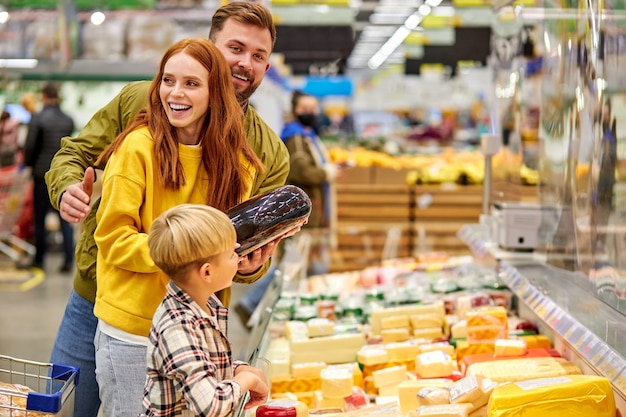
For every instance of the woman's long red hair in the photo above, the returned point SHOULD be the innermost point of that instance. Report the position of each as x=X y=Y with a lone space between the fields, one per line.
x=222 y=138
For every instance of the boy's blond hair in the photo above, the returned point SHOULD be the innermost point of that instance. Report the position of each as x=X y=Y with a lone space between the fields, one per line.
x=187 y=235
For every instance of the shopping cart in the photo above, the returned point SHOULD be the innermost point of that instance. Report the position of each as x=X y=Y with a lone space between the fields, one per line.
x=50 y=388
x=14 y=186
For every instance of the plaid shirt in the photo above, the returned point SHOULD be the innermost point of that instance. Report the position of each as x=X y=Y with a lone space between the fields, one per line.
x=190 y=363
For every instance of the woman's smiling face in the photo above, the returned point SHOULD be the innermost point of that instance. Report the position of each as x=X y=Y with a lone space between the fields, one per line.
x=184 y=95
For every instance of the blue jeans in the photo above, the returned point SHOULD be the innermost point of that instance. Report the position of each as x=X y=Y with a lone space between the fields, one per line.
x=255 y=294
x=121 y=371
x=74 y=347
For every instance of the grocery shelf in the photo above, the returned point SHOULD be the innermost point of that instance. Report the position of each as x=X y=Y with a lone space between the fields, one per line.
x=589 y=331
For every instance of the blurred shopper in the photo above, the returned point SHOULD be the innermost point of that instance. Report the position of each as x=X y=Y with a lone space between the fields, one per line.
x=190 y=364
x=43 y=140
x=245 y=34
x=9 y=128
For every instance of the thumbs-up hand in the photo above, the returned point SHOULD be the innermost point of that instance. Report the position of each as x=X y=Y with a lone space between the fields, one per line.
x=74 y=205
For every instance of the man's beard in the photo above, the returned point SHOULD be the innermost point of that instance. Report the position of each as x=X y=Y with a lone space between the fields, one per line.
x=243 y=96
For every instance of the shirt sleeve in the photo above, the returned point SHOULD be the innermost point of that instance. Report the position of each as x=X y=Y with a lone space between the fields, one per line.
x=186 y=357
x=119 y=235
x=303 y=170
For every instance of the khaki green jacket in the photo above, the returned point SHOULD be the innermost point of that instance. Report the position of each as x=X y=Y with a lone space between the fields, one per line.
x=79 y=153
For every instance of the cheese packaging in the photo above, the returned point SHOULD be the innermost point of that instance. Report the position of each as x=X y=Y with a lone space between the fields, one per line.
x=320 y=327
x=283 y=384
x=520 y=369
x=486 y=324
x=372 y=355
x=425 y=321
x=394 y=322
x=307 y=369
x=376 y=316
x=433 y=396
x=471 y=389
x=509 y=347
x=459 y=330
x=571 y=396
x=434 y=364
x=430 y=333
x=395 y=335
x=489 y=357
x=445 y=347
x=339 y=348
x=354 y=367
x=320 y=402
x=402 y=351
x=336 y=382
x=295 y=330
x=357 y=400
x=407 y=391
x=389 y=376
x=446 y=410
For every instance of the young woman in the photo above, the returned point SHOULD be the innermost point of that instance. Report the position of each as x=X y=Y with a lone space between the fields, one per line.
x=189 y=146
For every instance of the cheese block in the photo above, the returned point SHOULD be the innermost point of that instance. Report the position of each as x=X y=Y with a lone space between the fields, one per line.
x=486 y=324
x=320 y=402
x=282 y=407
x=336 y=382
x=480 y=412
x=372 y=355
x=425 y=321
x=489 y=357
x=307 y=369
x=471 y=389
x=402 y=351
x=429 y=333
x=388 y=390
x=357 y=400
x=320 y=327
x=537 y=341
x=338 y=348
x=376 y=316
x=395 y=335
x=354 y=367
x=389 y=376
x=465 y=348
x=458 y=330
x=433 y=396
x=446 y=410
x=520 y=369
x=509 y=347
x=283 y=384
x=434 y=364
x=295 y=330
x=444 y=347
x=571 y=396
x=278 y=355
x=407 y=391
x=394 y=322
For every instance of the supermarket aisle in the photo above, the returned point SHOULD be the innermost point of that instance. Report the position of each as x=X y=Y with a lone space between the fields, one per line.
x=29 y=320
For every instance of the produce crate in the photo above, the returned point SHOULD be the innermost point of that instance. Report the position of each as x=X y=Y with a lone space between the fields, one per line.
x=43 y=389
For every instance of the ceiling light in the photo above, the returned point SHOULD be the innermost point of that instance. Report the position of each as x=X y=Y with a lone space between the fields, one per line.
x=4 y=17
x=97 y=18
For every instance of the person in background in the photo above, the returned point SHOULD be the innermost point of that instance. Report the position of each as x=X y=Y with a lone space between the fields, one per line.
x=9 y=128
x=311 y=170
x=43 y=140
x=190 y=366
x=245 y=34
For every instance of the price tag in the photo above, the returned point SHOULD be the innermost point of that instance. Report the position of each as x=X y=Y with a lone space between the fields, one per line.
x=609 y=365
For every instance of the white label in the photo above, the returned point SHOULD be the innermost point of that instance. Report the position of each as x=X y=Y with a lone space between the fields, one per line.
x=542 y=382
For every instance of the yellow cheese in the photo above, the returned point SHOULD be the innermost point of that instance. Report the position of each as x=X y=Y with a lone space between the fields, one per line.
x=283 y=384
x=445 y=347
x=407 y=391
x=572 y=396
x=320 y=327
x=388 y=390
x=480 y=412
x=336 y=382
x=429 y=334
x=433 y=396
x=376 y=316
x=446 y=410
x=520 y=369
x=372 y=355
x=395 y=335
x=388 y=376
x=509 y=347
x=464 y=348
x=357 y=374
x=459 y=330
x=434 y=364
x=338 y=348
x=536 y=341
x=403 y=351
x=278 y=355
x=320 y=402
x=486 y=324
x=393 y=322
x=426 y=321
x=307 y=369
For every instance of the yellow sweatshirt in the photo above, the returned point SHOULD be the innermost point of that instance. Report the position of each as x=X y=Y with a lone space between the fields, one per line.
x=130 y=286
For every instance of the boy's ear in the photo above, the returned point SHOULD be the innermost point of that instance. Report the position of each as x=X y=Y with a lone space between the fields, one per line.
x=205 y=272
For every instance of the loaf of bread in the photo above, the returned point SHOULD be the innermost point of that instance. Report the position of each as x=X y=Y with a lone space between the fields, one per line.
x=13 y=401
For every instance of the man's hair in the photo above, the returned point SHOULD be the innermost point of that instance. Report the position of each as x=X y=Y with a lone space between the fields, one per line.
x=247 y=12
x=188 y=235
x=50 y=91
